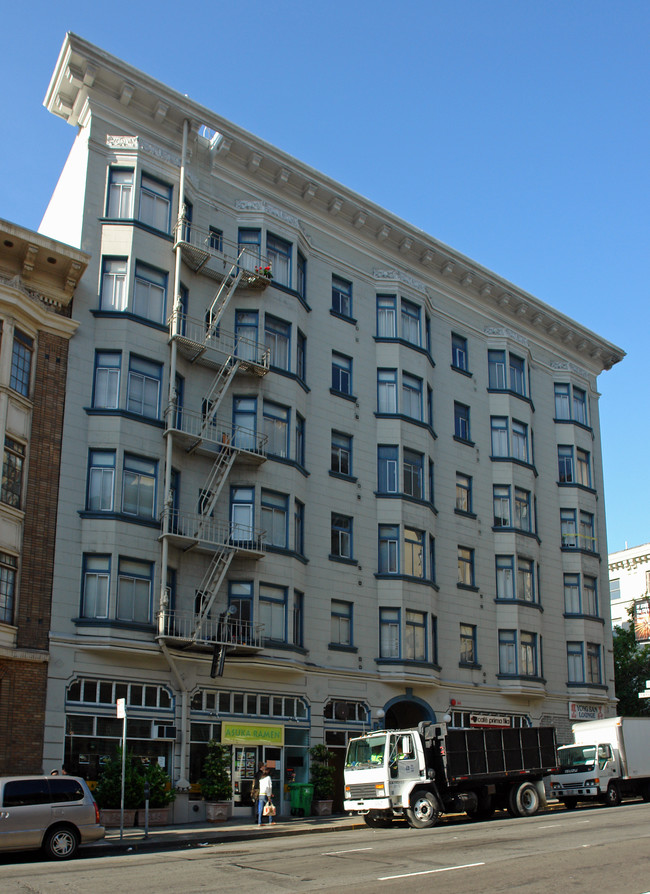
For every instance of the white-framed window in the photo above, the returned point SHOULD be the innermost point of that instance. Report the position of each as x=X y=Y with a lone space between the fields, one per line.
x=562 y=400
x=522 y=510
x=341 y=622
x=341 y=373
x=244 y=422
x=155 y=203
x=388 y=549
x=413 y=552
x=501 y=505
x=139 y=486
x=275 y=513
x=465 y=566
x=508 y=652
x=463 y=492
x=106 y=384
x=568 y=528
x=149 y=293
x=277 y=336
x=101 y=480
x=341 y=536
x=570 y=403
x=594 y=672
x=114 y=293
x=506 y=371
x=528 y=654
x=461 y=421
x=143 y=389
x=278 y=253
x=587 y=532
x=525 y=579
x=386 y=316
x=242 y=514
x=519 y=441
x=96 y=582
x=389 y=633
x=387 y=469
x=583 y=467
x=273 y=612
x=615 y=589
x=468 y=644
x=459 y=352
x=572 y=604
x=412 y=396
x=565 y=464
x=249 y=245
x=341 y=296
x=413 y=474
x=575 y=662
x=119 y=201
x=275 y=419
x=579 y=405
x=499 y=435
x=411 y=322
x=341 y=454
x=387 y=391
x=134 y=585
x=415 y=635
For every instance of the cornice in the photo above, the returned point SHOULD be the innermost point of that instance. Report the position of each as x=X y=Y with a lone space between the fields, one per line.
x=84 y=71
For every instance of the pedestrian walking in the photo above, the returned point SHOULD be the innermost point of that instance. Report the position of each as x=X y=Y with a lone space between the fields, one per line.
x=255 y=790
x=265 y=798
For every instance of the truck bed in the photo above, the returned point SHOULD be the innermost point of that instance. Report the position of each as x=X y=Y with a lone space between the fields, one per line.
x=499 y=752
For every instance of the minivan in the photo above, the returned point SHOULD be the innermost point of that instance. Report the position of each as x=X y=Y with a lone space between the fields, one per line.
x=54 y=813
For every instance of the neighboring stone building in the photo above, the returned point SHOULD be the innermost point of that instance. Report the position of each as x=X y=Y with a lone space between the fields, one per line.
x=320 y=471
x=38 y=277
x=629 y=587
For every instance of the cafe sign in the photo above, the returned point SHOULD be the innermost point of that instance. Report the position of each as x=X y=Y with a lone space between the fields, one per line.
x=251 y=734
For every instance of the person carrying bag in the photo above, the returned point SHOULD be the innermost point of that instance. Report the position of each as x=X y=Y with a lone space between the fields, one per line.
x=265 y=803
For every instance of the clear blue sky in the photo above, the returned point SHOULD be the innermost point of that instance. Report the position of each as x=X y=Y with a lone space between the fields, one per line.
x=515 y=131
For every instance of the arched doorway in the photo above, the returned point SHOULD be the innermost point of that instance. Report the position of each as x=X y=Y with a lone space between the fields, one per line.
x=407 y=712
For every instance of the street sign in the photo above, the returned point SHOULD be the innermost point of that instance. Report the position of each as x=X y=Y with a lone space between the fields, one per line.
x=121 y=708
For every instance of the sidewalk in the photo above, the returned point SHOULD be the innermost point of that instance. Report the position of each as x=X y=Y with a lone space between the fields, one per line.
x=202 y=834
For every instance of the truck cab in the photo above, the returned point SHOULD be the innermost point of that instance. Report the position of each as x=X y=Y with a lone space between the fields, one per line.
x=586 y=772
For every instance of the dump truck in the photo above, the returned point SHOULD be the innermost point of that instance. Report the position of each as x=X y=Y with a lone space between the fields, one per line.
x=421 y=774
x=609 y=760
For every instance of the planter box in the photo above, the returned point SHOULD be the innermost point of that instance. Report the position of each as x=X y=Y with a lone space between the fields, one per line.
x=321 y=808
x=111 y=818
x=217 y=811
x=158 y=816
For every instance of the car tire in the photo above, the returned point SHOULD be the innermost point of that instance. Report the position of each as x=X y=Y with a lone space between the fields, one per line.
x=613 y=796
x=423 y=812
x=523 y=800
x=570 y=803
x=61 y=843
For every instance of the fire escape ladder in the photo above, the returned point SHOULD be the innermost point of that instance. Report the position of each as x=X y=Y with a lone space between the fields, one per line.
x=223 y=296
x=212 y=580
x=218 y=474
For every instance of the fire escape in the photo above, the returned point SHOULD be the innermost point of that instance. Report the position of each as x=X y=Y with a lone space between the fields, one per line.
x=210 y=434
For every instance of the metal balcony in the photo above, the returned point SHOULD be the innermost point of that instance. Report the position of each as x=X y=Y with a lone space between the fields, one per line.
x=196 y=434
x=197 y=343
x=208 y=253
x=185 y=629
x=202 y=532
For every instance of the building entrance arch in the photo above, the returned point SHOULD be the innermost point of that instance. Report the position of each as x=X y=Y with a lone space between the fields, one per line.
x=407 y=712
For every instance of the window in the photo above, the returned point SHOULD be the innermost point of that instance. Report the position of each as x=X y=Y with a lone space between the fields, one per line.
x=273 y=612
x=300 y=440
x=522 y=510
x=341 y=622
x=341 y=296
x=246 y=332
x=389 y=633
x=301 y=356
x=278 y=252
x=114 y=291
x=249 y=247
x=593 y=664
x=387 y=391
x=101 y=480
x=565 y=464
x=244 y=422
x=508 y=652
x=583 y=468
x=106 y=387
x=517 y=375
x=21 y=363
x=499 y=434
x=277 y=335
x=388 y=549
x=274 y=517
x=432 y=558
x=341 y=373
x=615 y=589
x=413 y=552
x=413 y=474
x=298 y=617
x=461 y=422
x=143 y=390
x=411 y=396
x=506 y=372
x=575 y=662
x=519 y=441
x=302 y=276
x=501 y=506
x=568 y=528
x=580 y=600
x=497 y=370
x=341 y=536
x=572 y=594
x=387 y=478
x=134 y=591
x=8 y=568
x=341 y=454
x=155 y=203
x=525 y=580
x=241 y=514
x=215 y=239
x=528 y=654
x=96 y=578
x=275 y=419
x=459 y=352
x=119 y=204
x=12 y=472
x=415 y=636
x=299 y=527
x=149 y=293
x=411 y=323
x=587 y=532
x=468 y=644
x=139 y=486
x=463 y=493
x=570 y=403
x=505 y=577
x=386 y=316
x=465 y=566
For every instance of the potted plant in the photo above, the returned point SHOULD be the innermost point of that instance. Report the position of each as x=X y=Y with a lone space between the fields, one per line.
x=322 y=778
x=216 y=785
x=161 y=795
x=108 y=792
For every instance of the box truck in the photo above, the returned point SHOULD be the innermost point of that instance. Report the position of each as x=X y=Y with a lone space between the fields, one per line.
x=421 y=774
x=609 y=760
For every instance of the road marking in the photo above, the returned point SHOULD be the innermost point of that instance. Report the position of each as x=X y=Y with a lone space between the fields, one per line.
x=387 y=878
x=351 y=850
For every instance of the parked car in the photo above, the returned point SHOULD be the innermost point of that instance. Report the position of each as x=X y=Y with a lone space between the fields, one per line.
x=55 y=813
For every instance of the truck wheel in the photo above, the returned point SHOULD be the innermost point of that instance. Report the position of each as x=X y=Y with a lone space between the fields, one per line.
x=61 y=843
x=645 y=791
x=483 y=810
x=423 y=811
x=613 y=796
x=570 y=803
x=376 y=821
x=523 y=800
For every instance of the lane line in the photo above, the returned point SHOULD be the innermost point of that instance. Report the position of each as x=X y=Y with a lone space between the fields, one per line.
x=387 y=878
x=351 y=850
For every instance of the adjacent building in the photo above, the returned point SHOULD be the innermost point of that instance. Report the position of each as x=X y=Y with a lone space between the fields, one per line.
x=38 y=278
x=320 y=472
x=629 y=588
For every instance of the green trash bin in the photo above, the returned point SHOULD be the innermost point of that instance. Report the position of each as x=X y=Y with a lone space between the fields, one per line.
x=300 y=798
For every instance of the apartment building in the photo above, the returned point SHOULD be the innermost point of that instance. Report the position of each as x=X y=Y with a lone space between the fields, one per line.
x=629 y=587
x=38 y=278
x=320 y=472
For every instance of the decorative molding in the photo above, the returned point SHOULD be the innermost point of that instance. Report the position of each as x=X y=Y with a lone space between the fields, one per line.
x=126 y=93
x=253 y=163
x=261 y=207
x=360 y=219
x=159 y=152
x=503 y=332
x=160 y=112
x=447 y=268
x=309 y=191
x=405 y=245
x=467 y=280
x=427 y=256
x=121 y=142
x=335 y=205
x=282 y=176
x=399 y=276
x=567 y=366
x=383 y=232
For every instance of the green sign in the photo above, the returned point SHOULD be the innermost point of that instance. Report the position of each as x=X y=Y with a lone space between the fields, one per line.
x=251 y=734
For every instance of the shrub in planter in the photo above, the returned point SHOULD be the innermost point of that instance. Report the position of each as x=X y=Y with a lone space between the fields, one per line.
x=322 y=774
x=108 y=792
x=216 y=784
x=161 y=793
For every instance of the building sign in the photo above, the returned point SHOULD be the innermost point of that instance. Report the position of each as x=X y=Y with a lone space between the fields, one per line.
x=578 y=711
x=642 y=621
x=233 y=733
x=498 y=721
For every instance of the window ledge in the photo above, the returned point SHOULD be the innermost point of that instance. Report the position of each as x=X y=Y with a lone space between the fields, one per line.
x=343 y=477
x=344 y=395
x=125 y=414
x=284 y=647
x=512 y=393
x=463 y=372
x=580 y=617
x=465 y=441
x=470 y=587
x=407 y=662
x=517 y=462
x=344 y=317
x=121 y=517
x=522 y=678
x=411 y=419
x=599 y=687
x=574 y=422
x=584 y=487
x=470 y=664
x=465 y=514
x=405 y=577
x=127 y=315
x=104 y=623
x=342 y=559
x=380 y=339
x=501 y=529
x=522 y=602
x=339 y=647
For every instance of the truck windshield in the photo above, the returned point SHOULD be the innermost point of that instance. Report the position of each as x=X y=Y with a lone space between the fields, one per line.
x=577 y=756
x=366 y=752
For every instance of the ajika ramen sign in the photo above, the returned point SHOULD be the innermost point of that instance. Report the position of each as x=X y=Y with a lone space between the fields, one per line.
x=252 y=734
